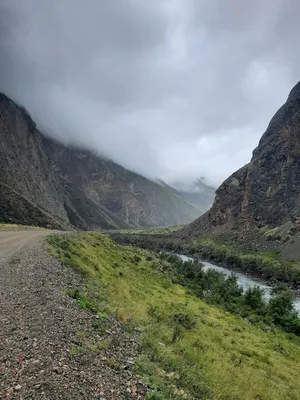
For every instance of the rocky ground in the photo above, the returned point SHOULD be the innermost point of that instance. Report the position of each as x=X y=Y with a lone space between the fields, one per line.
x=292 y=250
x=50 y=348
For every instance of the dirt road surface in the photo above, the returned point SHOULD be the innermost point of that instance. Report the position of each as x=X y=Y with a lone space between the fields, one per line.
x=50 y=348
x=12 y=241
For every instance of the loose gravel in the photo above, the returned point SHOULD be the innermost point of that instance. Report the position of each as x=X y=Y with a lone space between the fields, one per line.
x=49 y=346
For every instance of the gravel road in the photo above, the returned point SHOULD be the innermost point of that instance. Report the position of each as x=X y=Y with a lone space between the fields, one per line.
x=11 y=241
x=50 y=348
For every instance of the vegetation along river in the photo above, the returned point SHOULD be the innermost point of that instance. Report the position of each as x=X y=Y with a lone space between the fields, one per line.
x=243 y=280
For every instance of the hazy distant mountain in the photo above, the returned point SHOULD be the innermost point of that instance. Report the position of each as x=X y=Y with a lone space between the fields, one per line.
x=199 y=192
x=44 y=182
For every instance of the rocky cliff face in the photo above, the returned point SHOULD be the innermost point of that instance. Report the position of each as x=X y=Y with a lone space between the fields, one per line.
x=43 y=182
x=265 y=192
x=29 y=189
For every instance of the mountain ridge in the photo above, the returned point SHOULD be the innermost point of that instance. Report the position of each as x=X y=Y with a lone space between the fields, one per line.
x=44 y=182
x=266 y=191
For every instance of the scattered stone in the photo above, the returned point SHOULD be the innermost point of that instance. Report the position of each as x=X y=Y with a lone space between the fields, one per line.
x=49 y=341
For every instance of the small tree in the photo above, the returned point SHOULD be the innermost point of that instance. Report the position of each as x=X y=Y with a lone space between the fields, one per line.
x=254 y=300
x=281 y=306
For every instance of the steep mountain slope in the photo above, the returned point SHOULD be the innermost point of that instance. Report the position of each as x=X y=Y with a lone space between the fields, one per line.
x=265 y=192
x=44 y=182
x=30 y=192
x=124 y=197
x=198 y=193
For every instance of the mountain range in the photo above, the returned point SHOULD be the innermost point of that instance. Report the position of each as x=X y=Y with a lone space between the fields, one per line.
x=52 y=184
x=47 y=183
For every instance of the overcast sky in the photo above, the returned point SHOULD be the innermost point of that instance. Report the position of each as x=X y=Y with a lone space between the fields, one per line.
x=172 y=88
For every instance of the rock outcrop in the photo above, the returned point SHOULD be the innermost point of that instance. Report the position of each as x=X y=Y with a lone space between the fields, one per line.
x=43 y=182
x=265 y=192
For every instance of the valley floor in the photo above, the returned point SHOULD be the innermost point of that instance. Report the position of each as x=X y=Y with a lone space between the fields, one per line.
x=188 y=349
x=98 y=321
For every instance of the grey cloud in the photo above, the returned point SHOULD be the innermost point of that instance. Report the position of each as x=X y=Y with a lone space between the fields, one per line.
x=170 y=88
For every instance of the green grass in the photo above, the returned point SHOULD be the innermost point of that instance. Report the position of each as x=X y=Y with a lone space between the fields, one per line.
x=4 y=225
x=266 y=264
x=188 y=348
x=157 y=230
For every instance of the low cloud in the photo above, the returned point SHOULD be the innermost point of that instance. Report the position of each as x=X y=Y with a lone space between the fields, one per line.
x=172 y=88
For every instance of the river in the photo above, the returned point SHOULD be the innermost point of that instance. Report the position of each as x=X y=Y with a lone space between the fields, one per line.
x=244 y=281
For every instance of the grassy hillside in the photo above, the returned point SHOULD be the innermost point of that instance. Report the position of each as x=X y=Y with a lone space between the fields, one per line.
x=157 y=230
x=6 y=226
x=265 y=263
x=188 y=349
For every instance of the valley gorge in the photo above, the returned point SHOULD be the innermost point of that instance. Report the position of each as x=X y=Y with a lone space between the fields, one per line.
x=46 y=183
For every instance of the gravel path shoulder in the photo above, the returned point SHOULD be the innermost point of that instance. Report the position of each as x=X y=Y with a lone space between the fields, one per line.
x=49 y=347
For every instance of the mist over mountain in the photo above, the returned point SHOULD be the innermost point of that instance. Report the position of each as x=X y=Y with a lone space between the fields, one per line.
x=198 y=192
x=46 y=183
x=196 y=186
x=150 y=84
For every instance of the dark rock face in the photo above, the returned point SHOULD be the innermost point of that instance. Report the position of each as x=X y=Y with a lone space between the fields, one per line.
x=265 y=192
x=44 y=183
x=29 y=189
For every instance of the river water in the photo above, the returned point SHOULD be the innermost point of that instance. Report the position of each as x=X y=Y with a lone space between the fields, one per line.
x=244 y=281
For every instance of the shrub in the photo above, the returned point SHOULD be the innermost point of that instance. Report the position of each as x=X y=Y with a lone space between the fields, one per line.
x=253 y=299
x=184 y=320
